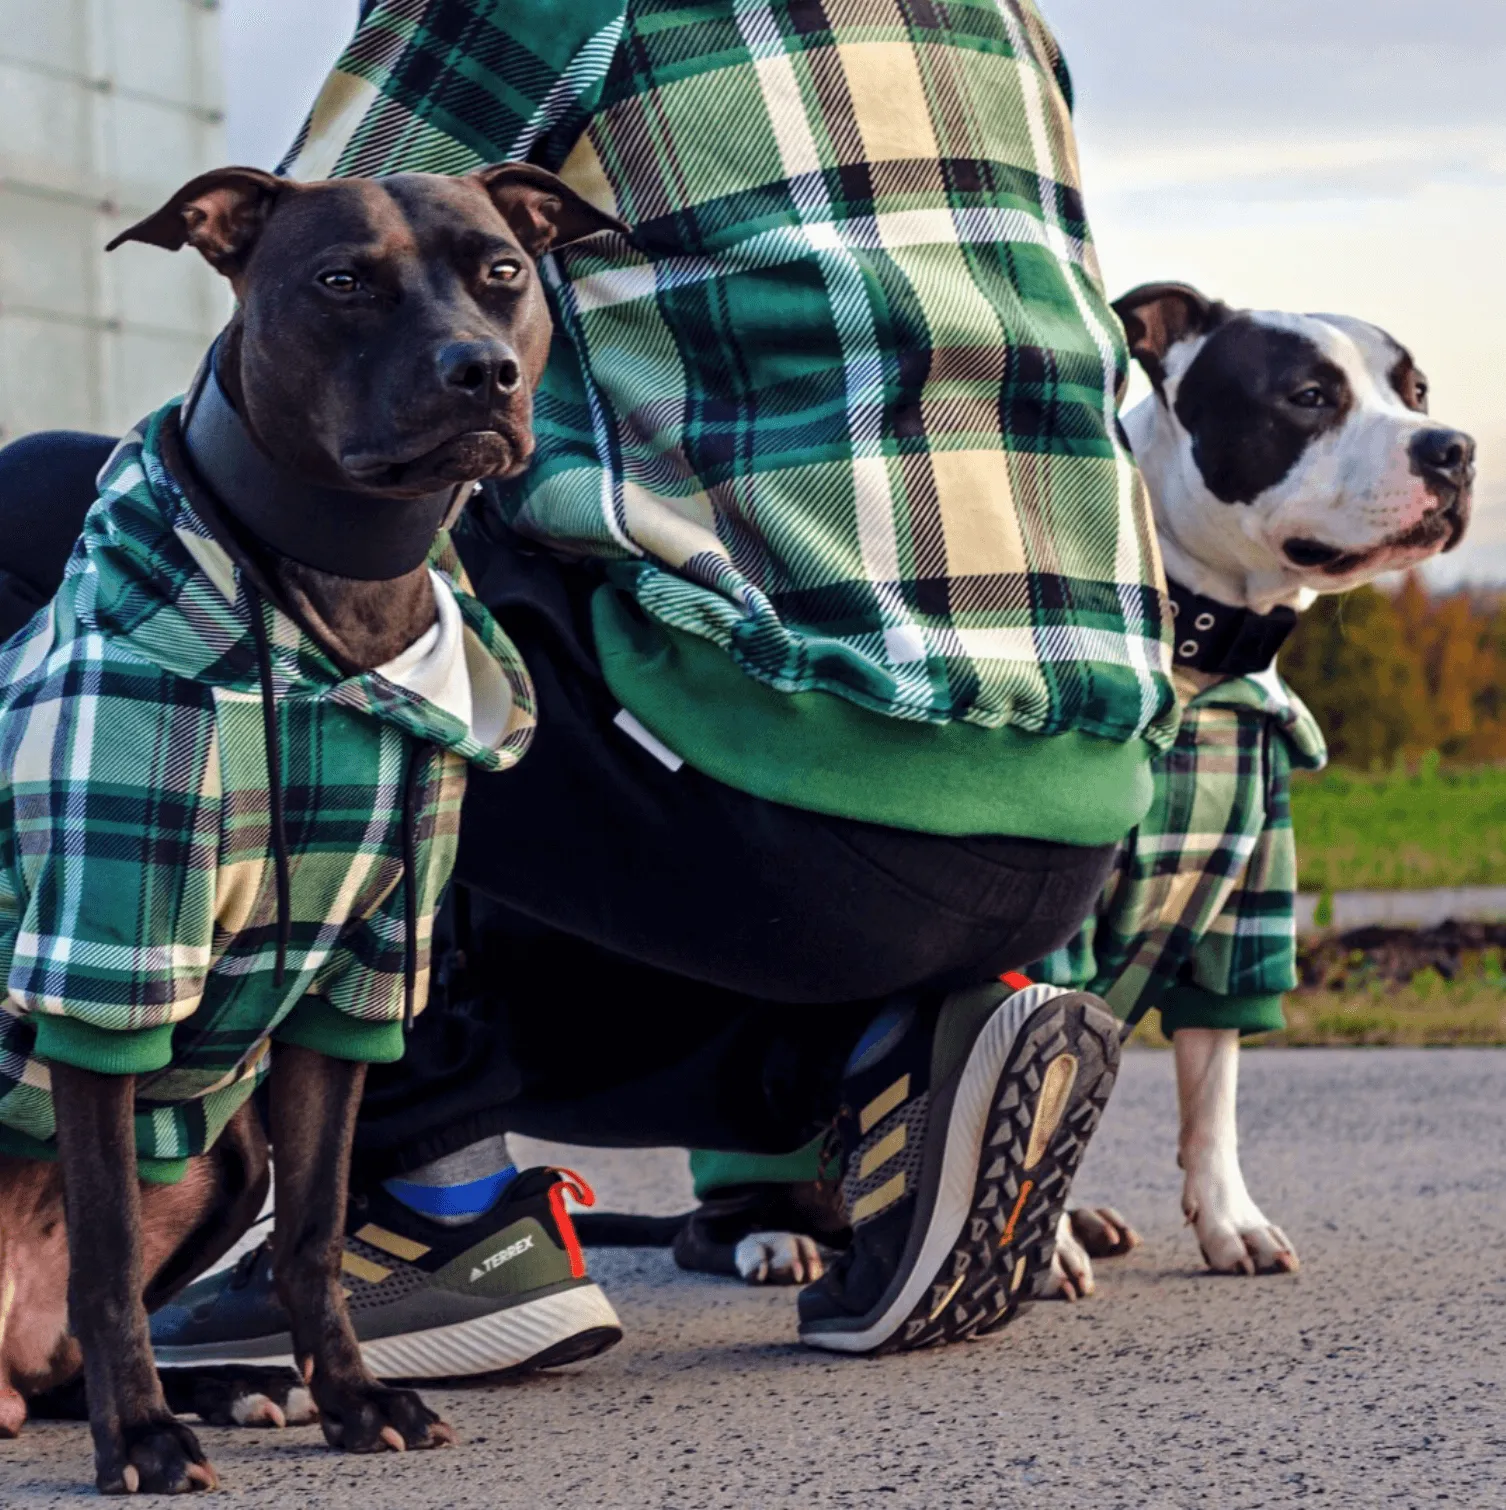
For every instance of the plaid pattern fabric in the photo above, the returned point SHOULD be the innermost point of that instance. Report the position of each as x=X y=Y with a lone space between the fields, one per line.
x=137 y=894
x=1203 y=890
x=845 y=403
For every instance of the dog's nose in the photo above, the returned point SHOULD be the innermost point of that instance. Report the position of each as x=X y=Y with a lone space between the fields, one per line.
x=1445 y=455
x=479 y=367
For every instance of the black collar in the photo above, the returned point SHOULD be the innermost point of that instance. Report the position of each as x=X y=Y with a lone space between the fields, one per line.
x=1211 y=636
x=344 y=533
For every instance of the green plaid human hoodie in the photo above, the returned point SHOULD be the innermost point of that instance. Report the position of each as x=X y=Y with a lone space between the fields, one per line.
x=844 y=404
x=137 y=897
x=1198 y=918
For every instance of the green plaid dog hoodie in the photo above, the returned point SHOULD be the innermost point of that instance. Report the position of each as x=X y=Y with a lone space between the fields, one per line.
x=844 y=405
x=138 y=909
x=1198 y=918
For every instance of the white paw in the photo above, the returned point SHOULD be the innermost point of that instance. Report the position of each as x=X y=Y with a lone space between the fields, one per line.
x=1071 y=1274
x=778 y=1258
x=300 y=1408
x=1232 y=1230
x=257 y=1410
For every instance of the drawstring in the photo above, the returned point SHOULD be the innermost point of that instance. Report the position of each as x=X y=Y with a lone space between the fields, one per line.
x=413 y=788
x=274 y=779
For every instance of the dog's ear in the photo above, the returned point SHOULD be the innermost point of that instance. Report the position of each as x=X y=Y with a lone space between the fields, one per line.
x=1156 y=316
x=219 y=214
x=544 y=212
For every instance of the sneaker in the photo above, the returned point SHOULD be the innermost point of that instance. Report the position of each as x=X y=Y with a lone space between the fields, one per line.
x=961 y=1127
x=506 y=1293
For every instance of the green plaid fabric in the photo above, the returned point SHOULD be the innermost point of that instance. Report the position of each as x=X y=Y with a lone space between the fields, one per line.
x=844 y=405
x=137 y=894
x=1203 y=890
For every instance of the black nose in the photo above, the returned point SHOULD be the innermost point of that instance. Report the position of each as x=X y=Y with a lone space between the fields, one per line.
x=478 y=367
x=1444 y=455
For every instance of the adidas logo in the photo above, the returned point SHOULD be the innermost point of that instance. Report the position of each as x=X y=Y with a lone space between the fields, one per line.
x=501 y=1256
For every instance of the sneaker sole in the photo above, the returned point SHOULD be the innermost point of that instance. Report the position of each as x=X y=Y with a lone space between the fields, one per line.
x=556 y=1329
x=1028 y=1099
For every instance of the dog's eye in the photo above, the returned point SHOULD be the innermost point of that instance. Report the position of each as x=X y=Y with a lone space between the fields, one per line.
x=340 y=281
x=1310 y=397
x=1420 y=393
x=505 y=270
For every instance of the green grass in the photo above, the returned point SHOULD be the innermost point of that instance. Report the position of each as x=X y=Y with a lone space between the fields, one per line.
x=1400 y=830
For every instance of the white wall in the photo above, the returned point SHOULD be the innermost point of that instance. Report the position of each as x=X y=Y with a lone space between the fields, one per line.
x=106 y=106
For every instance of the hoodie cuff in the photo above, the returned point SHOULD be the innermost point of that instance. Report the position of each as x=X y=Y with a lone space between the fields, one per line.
x=1193 y=1007
x=315 y=1024
x=106 y=1051
x=714 y=1171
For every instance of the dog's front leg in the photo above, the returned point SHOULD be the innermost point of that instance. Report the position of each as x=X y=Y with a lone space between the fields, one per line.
x=137 y=1443
x=1231 y=1229
x=314 y=1101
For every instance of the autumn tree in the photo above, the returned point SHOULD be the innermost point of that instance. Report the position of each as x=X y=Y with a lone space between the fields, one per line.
x=1393 y=675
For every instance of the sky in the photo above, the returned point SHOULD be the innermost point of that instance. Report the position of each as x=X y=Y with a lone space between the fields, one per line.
x=1342 y=155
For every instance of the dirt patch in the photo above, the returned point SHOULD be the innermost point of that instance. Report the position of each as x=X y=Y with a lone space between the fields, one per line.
x=1455 y=952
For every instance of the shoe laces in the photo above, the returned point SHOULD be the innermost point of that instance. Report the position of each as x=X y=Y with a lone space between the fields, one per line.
x=247 y=1264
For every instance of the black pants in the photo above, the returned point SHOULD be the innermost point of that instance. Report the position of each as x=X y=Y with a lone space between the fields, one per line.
x=634 y=955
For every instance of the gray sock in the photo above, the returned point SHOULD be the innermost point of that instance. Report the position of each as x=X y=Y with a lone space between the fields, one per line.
x=458 y=1187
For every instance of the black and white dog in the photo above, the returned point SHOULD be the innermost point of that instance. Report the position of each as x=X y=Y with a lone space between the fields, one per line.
x=1286 y=455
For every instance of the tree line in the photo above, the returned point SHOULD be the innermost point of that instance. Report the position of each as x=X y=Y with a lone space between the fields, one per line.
x=1392 y=676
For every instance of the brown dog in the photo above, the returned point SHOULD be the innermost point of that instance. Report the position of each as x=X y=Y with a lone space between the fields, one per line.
x=382 y=358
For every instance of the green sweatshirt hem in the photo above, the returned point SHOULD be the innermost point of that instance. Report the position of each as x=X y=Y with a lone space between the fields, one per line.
x=713 y=1171
x=20 y=1145
x=106 y=1051
x=315 y=1024
x=820 y=752
x=1193 y=1007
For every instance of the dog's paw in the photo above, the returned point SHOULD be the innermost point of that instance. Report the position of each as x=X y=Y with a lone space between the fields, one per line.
x=778 y=1258
x=253 y=1408
x=1232 y=1231
x=160 y=1456
x=12 y=1413
x=1102 y=1232
x=239 y=1395
x=1070 y=1276
x=375 y=1418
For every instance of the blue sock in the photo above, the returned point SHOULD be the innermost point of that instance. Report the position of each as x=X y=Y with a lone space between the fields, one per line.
x=459 y=1187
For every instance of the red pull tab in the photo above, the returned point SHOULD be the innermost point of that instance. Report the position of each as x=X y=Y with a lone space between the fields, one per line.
x=575 y=1185
x=572 y=1184
x=1015 y=981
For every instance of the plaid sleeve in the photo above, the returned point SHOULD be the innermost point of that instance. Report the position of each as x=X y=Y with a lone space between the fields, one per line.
x=1196 y=898
x=355 y=1007
x=116 y=821
x=1250 y=948
x=442 y=86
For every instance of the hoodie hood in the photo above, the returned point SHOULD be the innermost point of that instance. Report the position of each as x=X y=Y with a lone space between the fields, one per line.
x=149 y=572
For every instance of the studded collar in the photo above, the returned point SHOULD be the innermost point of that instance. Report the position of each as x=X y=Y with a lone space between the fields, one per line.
x=1211 y=636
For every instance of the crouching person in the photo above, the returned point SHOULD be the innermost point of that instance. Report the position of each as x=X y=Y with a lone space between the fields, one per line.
x=840 y=598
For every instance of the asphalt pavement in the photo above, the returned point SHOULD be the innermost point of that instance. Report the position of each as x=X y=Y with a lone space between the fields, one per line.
x=1374 y=1378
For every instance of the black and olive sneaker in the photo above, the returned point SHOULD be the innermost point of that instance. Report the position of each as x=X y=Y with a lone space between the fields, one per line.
x=508 y=1292
x=962 y=1126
